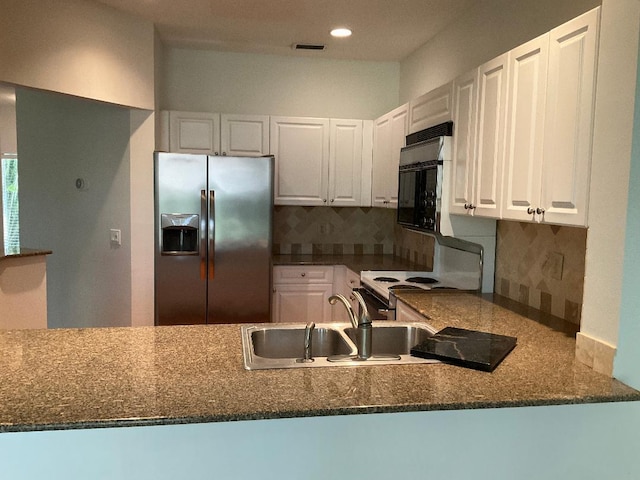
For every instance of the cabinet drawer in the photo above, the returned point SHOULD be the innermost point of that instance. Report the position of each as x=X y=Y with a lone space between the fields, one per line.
x=302 y=274
x=353 y=279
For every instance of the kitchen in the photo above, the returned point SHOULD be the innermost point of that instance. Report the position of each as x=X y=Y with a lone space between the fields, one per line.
x=607 y=253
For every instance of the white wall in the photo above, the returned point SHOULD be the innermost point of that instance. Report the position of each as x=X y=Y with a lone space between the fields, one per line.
x=612 y=139
x=61 y=138
x=488 y=30
x=571 y=442
x=208 y=81
x=77 y=47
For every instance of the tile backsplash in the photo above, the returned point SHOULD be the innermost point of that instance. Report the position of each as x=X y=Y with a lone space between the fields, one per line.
x=536 y=264
x=542 y=266
x=333 y=230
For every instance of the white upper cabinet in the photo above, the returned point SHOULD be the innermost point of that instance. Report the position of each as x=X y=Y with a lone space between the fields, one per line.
x=465 y=108
x=301 y=149
x=550 y=124
x=492 y=100
x=569 y=120
x=431 y=109
x=194 y=132
x=525 y=128
x=244 y=135
x=215 y=134
x=322 y=161
x=389 y=136
x=345 y=163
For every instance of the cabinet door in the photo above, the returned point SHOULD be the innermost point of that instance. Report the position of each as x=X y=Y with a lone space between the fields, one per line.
x=404 y=313
x=302 y=303
x=431 y=108
x=244 y=135
x=525 y=128
x=389 y=136
x=399 y=128
x=492 y=98
x=569 y=120
x=301 y=149
x=345 y=163
x=381 y=167
x=464 y=118
x=194 y=132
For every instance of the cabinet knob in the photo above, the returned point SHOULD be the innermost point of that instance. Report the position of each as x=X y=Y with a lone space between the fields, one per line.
x=530 y=211
x=224 y=154
x=303 y=274
x=332 y=200
x=324 y=200
x=216 y=153
x=539 y=211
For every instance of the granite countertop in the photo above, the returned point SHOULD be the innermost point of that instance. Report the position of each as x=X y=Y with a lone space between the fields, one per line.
x=23 y=252
x=107 y=377
x=356 y=263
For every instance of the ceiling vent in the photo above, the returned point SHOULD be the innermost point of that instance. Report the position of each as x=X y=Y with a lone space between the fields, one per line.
x=307 y=46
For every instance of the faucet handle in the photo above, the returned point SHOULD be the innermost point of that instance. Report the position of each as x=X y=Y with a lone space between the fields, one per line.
x=364 y=315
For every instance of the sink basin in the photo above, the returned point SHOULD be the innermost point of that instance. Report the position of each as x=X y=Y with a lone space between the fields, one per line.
x=281 y=345
x=392 y=339
x=289 y=342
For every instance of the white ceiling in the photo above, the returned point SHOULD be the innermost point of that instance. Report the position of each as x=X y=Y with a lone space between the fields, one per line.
x=383 y=30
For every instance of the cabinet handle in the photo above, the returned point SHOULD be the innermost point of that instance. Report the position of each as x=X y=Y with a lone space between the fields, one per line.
x=540 y=211
x=530 y=211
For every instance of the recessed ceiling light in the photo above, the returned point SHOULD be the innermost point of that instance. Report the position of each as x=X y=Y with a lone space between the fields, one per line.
x=341 y=32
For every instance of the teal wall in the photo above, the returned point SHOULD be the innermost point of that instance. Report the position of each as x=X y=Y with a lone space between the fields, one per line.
x=598 y=441
x=627 y=360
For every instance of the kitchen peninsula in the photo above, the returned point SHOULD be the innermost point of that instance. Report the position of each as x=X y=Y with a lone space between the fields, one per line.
x=185 y=384
x=110 y=377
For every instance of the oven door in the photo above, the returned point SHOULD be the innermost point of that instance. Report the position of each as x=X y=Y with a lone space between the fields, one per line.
x=378 y=310
x=418 y=197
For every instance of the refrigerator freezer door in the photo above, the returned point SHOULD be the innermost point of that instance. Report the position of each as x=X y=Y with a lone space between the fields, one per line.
x=180 y=283
x=240 y=200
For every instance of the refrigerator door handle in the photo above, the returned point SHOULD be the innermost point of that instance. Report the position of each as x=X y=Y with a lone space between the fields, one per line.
x=203 y=235
x=212 y=233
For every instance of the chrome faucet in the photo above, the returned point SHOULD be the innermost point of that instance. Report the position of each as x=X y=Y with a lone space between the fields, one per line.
x=352 y=316
x=362 y=324
x=308 y=335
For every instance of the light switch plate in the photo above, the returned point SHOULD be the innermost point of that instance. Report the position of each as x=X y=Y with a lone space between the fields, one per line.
x=116 y=236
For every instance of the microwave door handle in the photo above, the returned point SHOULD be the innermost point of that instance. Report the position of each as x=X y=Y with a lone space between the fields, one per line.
x=212 y=233
x=203 y=235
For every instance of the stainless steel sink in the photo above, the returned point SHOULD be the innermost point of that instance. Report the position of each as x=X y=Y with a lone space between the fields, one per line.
x=394 y=339
x=289 y=342
x=281 y=345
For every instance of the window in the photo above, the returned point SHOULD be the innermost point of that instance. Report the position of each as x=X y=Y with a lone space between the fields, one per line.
x=10 y=205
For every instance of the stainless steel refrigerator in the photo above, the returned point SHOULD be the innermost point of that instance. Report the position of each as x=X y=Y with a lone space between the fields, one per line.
x=212 y=238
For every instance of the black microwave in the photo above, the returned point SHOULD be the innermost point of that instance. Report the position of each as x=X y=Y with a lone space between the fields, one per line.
x=420 y=178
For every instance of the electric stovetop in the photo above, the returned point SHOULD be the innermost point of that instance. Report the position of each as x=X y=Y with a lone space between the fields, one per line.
x=467 y=348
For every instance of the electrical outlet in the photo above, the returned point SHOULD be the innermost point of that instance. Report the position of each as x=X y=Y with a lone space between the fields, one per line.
x=116 y=236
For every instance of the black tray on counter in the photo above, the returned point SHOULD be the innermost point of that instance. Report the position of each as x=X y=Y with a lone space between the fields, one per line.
x=466 y=348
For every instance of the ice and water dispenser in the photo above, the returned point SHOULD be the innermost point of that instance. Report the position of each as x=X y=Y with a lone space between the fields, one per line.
x=179 y=233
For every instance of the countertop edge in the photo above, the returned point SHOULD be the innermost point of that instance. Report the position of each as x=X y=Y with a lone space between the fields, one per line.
x=339 y=411
x=25 y=252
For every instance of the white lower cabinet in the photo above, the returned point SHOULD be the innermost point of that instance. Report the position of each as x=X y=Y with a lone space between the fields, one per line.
x=344 y=282
x=301 y=294
x=404 y=313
